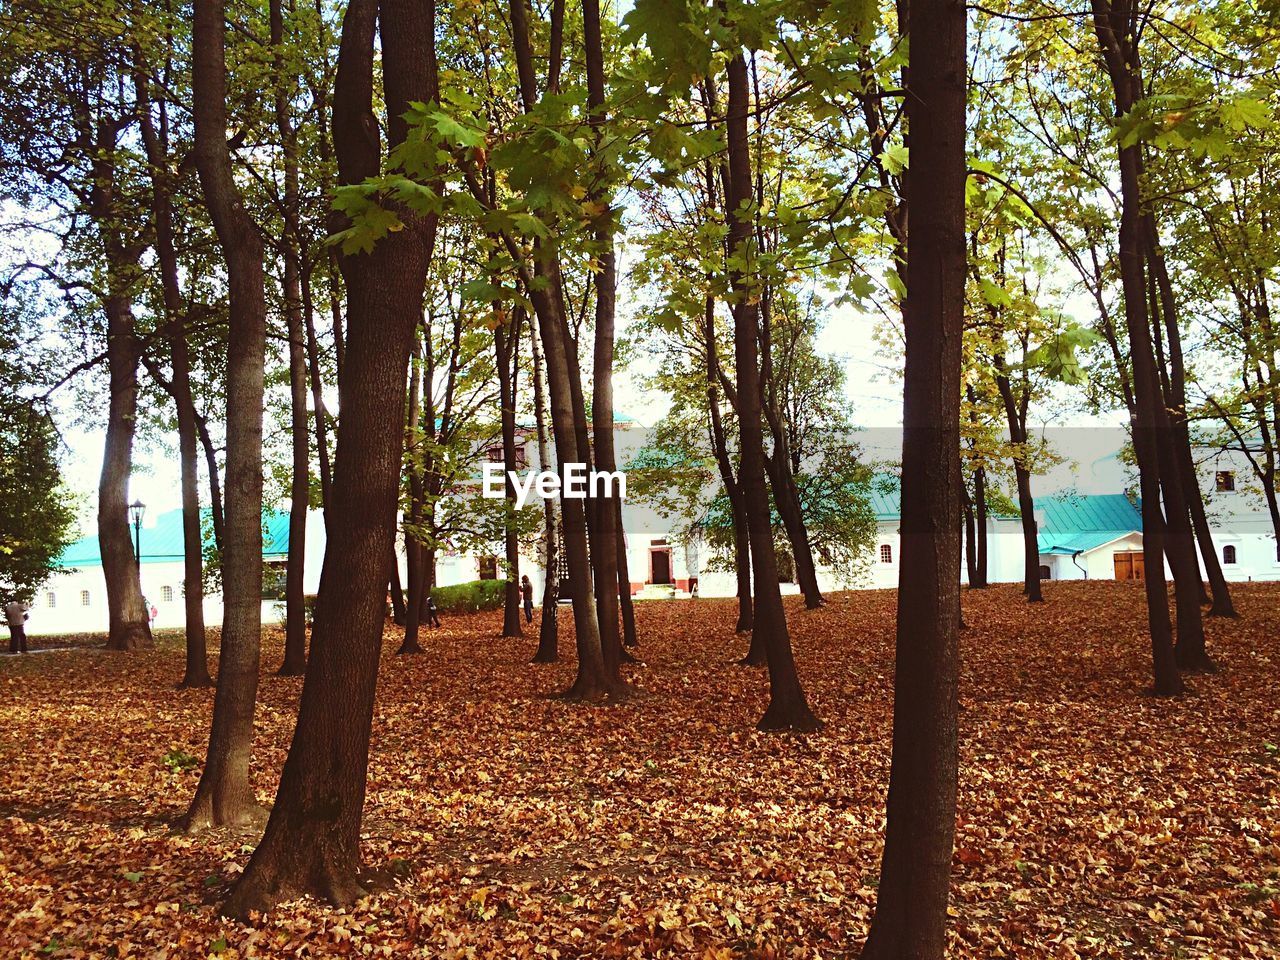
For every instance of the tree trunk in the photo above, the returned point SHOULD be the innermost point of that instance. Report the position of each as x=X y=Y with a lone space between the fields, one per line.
x=1016 y=415
x=568 y=418
x=1176 y=404
x=788 y=709
x=505 y=341
x=548 y=635
x=787 y=499
x=970 y=538
x=312 y=841
x=911 y=906
x=295 y=619
x=224 y=795
x=629 y=636
x=741 y=537
x=416 y=570
x=605 y=541
x=980 y=520
x=127 y=622
x=1113 y=24
x=197 y=667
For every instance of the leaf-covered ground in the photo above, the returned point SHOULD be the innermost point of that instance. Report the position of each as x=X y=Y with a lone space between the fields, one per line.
x=1094 y=821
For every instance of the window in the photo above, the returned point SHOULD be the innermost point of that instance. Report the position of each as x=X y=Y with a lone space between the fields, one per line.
x=488 y=568
x=494 y=454
x=1224 y=481
x=84 y=598
x=886 y=553
x=1228 y=554
x=274 y=574
x=51 y=599
x=1045 y=573
x=166 y=594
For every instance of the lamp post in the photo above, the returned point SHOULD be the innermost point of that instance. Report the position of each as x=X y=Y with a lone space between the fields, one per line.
x=136 y=510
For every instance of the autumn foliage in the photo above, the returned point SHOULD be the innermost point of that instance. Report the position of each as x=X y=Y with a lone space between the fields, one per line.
x=1094 y=820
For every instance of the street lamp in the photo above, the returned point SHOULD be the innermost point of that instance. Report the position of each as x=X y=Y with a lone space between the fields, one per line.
x=136 y=510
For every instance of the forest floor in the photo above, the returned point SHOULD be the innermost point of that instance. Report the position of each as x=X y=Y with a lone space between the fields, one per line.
x=1093 y=820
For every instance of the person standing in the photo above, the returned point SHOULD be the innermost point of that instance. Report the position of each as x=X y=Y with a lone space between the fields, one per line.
x=17 y=613
x=526 y=590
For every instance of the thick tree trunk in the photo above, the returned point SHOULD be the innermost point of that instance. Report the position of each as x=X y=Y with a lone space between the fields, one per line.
x=197 y=666
x=127 y=623
x=788 y=709
x=224 y=795
x=312 y=841
x=128 y=627
x=1115 y=29
x=911 y=906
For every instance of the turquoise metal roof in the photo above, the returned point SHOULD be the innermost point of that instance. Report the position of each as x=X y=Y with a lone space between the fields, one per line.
x=162 y=542
x=1077 y=524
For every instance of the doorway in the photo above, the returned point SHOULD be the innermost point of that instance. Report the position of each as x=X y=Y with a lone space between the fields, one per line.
x=1130 y=565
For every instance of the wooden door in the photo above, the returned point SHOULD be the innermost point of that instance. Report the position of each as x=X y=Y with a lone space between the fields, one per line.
x=1130 y=565
x=660 y=561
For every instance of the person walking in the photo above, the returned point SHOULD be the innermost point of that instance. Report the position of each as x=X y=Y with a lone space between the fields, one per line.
x=526 y=590
x=433 y=616
x=17 y=613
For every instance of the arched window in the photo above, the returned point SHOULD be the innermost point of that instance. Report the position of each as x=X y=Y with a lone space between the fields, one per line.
x=166 y=594
x=1228 y=554
x=1045 y=573
x=84 y=598
x=886 y=553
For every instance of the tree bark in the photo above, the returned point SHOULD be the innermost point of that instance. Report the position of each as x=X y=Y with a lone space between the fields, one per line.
x=1115 y=29
x=312 y=841
x=295 y=629
x=224 y=795
x=505 y=339
x=548 y=635
x=197 y=665
x=128 y=627
x=911 y=906
x=415 y=568
x=1176 y=404
x=788 y=709
x=605 y=541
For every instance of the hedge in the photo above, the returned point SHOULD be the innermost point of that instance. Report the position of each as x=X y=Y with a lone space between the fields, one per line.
x=470 y=597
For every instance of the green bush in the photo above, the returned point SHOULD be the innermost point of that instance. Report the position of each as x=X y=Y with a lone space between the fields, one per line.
x=470 y=597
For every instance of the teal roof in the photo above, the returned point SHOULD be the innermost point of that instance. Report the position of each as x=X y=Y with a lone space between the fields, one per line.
x=162 y=542
x=1077 y=524
x=886 y=496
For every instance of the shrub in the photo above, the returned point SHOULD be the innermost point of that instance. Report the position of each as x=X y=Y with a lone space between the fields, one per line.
x=470 y=597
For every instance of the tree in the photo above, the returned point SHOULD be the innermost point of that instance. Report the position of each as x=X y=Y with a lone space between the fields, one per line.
x=36 y=510
x=224 y=795
x=312 y=840
x=911 y=904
